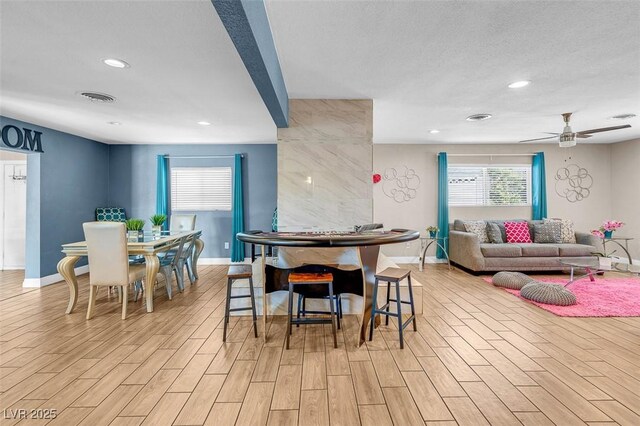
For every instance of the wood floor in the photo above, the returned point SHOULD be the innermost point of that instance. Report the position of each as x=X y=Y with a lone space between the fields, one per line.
x=480 y=356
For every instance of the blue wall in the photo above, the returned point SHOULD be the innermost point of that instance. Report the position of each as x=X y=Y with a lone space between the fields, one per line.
x=64 y=186
x=132 y=185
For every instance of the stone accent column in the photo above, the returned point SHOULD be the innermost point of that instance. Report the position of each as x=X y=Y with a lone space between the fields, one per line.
x=325 y=164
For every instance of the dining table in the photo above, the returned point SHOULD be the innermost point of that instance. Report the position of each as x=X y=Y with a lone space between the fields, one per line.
x=305 y=249
x=147 y=245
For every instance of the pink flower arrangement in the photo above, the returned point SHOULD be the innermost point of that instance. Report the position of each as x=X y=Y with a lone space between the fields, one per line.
x=611 y=225
x=598 y=233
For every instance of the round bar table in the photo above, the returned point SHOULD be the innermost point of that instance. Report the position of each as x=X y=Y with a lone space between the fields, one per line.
x=368 y=248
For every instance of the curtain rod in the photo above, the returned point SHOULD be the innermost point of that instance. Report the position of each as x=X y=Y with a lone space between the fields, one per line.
x=528 y=154
x=201 y=156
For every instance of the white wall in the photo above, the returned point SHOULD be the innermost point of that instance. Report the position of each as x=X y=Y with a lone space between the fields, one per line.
x=625 y=190
x=421 y=211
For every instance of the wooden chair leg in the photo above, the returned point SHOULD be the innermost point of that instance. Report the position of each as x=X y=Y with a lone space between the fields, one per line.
x=227 y=306
x=125 y=297
x=374 y=309
x=333 y=318
x=289 y=313
x=253 y=308
x=92 y=300
x=413 y=309
x=399 y=309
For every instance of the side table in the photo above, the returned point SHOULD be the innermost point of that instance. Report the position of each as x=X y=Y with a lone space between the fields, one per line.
x=426 y=242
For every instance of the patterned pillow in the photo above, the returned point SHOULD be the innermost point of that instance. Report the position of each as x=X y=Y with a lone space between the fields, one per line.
x=494 y=233
x=478 y=227
x=567 y=232
x=548 y=232
x=517 y=232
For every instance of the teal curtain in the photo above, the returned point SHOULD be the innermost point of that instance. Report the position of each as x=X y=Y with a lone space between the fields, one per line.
x=237 y=247
x=443 y=204
x=162 y=188
x=538 y=187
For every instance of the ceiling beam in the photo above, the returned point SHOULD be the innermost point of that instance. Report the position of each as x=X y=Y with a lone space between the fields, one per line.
x=247 y=23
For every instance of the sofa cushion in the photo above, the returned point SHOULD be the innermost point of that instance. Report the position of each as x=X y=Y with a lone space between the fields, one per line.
x=500 y=250
x=547 y=233
x=566 y=229
x=494 y=233
x=539 y=250
x=517 y=232
x=575 y=250
x=478 y=227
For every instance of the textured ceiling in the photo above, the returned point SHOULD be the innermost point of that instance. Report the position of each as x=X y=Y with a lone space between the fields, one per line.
x=426 y=64
x=184 y=69
x=430 y=64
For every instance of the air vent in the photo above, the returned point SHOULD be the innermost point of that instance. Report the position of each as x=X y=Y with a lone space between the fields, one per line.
x=97 y=97
x=623 y=116
x=478 y=117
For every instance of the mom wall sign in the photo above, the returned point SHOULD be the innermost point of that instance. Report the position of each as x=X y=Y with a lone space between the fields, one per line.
x=26 y=139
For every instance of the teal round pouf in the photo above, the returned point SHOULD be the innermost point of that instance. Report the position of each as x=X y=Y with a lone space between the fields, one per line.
x=549 y=294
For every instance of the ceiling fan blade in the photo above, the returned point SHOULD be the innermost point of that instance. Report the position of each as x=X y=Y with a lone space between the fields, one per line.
x=551 y=133
x=603 y=129
x=578 y=135
x=539 y=139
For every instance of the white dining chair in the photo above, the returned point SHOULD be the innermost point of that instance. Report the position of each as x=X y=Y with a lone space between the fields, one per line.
x=182 y=222
x=109 y=261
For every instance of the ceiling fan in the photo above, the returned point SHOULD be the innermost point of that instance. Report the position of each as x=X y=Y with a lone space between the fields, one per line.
x=568 y=138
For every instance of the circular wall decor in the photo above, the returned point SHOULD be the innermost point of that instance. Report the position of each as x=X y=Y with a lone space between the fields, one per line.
x=573 y=183
x=400 y=184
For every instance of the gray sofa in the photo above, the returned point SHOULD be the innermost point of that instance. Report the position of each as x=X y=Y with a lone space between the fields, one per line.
x=466 y=251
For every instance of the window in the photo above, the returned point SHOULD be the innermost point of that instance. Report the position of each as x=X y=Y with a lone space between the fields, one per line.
x=201 y=188
x=489 y=185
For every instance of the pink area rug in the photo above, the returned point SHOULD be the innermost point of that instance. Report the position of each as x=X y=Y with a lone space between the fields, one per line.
x=606 y=297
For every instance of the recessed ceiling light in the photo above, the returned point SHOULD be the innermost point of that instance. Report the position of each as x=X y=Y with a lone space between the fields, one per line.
x=479 y=117
x=115 y=123
x=116 y=63
x=519 y=84
x=204 y=123
x=434 y=131
x=623 y=116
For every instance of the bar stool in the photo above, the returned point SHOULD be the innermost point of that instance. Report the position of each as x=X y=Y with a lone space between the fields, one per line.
x=302 y=307
x=393 y=275
x=299 y=278
x=239 y=272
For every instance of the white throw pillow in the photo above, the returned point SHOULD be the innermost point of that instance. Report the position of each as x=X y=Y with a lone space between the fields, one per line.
x=478 y=227
x=567 y=230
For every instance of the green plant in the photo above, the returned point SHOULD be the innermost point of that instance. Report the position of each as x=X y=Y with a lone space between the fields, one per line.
x=432 y=229
x=134 y=224
x=158 y=219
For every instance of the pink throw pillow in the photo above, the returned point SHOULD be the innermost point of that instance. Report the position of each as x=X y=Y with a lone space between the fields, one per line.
x=517 y=232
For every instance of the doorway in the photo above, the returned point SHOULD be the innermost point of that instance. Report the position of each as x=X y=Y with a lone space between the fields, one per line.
x=13 y=210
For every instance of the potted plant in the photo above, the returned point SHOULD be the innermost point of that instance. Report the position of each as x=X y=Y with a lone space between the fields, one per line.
x=157 y=220
x=605 y=231
x=134 y=229
x=433 y=231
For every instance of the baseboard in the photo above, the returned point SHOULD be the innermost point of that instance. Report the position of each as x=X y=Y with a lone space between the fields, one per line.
x=51 y=279
x=416 y=259
x=219 y=260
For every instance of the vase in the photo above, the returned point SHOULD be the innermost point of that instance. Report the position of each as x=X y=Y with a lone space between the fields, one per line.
x=605 y=262
x=132 y=236
x=608 y=234
x=156 y=230
x=432 y=234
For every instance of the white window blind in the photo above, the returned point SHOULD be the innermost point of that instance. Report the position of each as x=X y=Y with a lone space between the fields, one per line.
x=489 y=185
x=200 y=188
